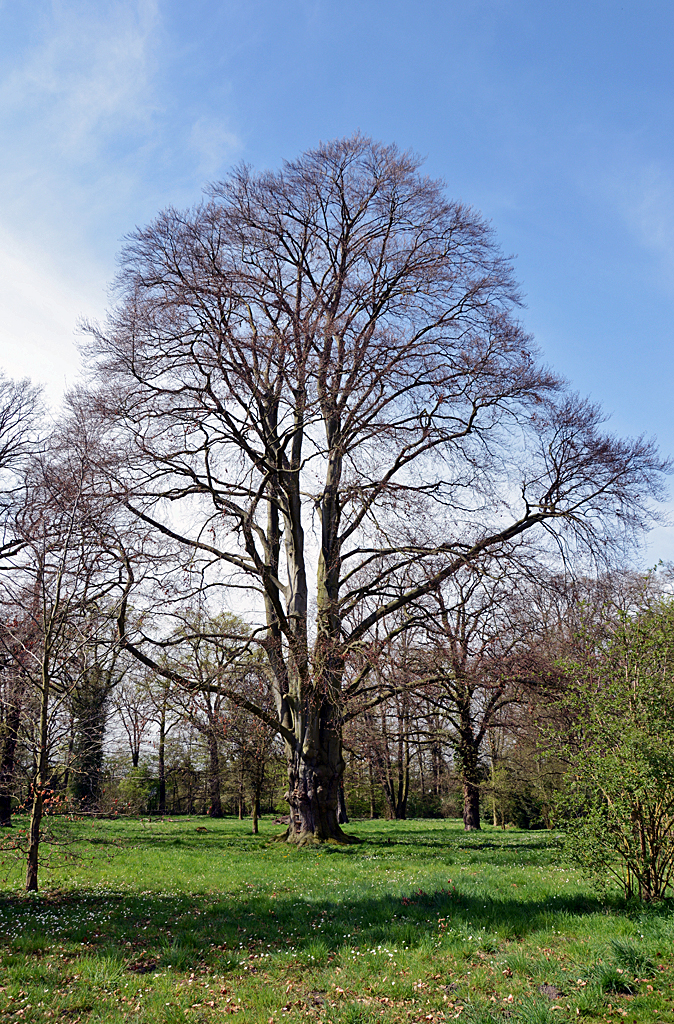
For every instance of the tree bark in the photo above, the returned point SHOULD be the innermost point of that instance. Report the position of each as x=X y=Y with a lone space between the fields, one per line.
x=468 y=751
x=315 y=774
x=161 y=757
x=215 y=807
x=342 y=814
x=10 y=739
x=471 y=806
x=468 y=758
x=38 y=788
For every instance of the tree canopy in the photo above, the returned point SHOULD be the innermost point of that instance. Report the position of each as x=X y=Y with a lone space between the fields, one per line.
x=318 y=390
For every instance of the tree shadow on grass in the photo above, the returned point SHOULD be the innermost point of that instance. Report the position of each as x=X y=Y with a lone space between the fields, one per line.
x=150 y=931
x=190 y=834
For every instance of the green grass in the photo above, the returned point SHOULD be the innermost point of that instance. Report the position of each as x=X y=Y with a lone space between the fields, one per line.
x=193 y=920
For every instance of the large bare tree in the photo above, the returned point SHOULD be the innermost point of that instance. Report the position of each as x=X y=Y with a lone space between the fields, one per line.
x=321 y=386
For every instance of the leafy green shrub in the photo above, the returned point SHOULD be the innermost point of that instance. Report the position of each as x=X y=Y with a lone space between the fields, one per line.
x=619 y=801
x=136 y=790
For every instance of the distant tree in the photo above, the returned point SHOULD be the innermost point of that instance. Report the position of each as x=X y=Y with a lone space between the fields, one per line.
x=208 y=663
x=482 y=659
x=13 y=701
x=166 y=716
x=386 y=733
x=324 y=396
x=99 y=671
x=64 y=575
x=134 y=709
x=249 y=743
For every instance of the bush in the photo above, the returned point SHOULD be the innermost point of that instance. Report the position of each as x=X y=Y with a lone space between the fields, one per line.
x=137 y=790
x=619 y=804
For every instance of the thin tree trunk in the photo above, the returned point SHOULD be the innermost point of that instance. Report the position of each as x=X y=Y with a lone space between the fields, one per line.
x=257 y=790
x=71 y=748
x=161 y=758
x=38 y=789
x=215 y=807
x=492 y=753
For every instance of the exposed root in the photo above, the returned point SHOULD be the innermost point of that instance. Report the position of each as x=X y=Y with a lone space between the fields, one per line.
x=312 y=839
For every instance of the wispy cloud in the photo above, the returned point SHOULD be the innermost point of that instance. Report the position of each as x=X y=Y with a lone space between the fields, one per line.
x=644 y=193
x=39 y=304
x=77 y=114
x=88 y=71
x=214 y=145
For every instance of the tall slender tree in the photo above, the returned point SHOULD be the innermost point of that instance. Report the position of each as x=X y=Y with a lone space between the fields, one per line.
x=65 y=573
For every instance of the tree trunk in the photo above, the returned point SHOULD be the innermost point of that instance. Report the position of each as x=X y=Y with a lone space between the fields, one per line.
x=161 y=757
x=342 y=814
x=215 y=807
x=386 y=770
x=471 y=806
x=313 y=795
x=315 y=772
x=258 y=781
x=34 y=838
x=5 y=809
x=12 y=723
x=468 y=753
x=242 y=784
x=403 y=792
x=403 y=768
x=38 y=790
x=492 y=758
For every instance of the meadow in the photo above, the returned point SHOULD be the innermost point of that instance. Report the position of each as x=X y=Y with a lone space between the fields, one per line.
x=189 y=919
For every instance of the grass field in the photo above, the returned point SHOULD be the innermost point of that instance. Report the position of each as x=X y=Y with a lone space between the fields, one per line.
x=195 y=920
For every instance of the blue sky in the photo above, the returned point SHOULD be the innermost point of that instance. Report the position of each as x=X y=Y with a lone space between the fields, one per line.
x=554 y=120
